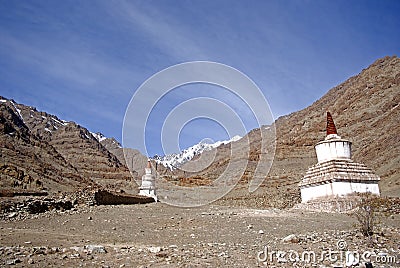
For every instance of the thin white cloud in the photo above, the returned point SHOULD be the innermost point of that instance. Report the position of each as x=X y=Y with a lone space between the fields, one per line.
x=164 y=31
x=69 y=64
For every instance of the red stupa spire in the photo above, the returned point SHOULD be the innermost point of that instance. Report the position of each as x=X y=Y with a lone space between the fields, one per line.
x=330 y=125
x=148 y=164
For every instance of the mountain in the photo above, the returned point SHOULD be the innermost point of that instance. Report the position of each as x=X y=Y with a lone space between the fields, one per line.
x=42 y=152
x=129 y=157
x=62 y=155
x=366 y=111
x=26 y=161
x=173 y=161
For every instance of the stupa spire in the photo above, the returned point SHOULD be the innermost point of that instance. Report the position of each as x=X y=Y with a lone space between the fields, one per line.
x=330 y=125
x=148 y=164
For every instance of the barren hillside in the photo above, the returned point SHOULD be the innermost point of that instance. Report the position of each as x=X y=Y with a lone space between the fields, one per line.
x=366 y=111
x=62 y=154
x=41 y=151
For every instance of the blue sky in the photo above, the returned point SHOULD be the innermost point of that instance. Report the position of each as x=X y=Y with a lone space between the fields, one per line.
x=83 y=60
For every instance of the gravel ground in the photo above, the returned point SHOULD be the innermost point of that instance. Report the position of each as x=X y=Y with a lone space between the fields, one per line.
x=158 y=235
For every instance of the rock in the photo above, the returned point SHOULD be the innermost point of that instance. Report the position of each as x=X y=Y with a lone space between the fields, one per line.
x=13 y=261
x=78 y=249
x=12 y=215
x=37 y=206
x=75 y=256
x=31 y=261
x=162 y=254
x=39 y=251
x=90 y=218
x=291 y=239
x=154 y=249
x=93 y=249
x=222 y=254
x=261 y=232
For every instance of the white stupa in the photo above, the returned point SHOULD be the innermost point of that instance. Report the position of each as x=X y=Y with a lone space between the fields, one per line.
x=335 y=174
x=148 y=187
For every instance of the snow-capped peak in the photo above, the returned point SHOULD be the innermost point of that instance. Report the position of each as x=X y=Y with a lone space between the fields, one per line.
x=173 y=161
x=100 y=137
x=18 y=110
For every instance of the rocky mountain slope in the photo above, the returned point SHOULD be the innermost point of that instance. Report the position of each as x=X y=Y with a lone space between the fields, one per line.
x=36 y=144
x=366 y=111
x=27 y=162
x=40 y=151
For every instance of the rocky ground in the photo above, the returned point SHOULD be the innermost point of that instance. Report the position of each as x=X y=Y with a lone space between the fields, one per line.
x=158 y=235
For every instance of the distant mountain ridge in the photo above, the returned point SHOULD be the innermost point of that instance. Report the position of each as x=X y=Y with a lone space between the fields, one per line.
x=41 y=151
x=174 y=161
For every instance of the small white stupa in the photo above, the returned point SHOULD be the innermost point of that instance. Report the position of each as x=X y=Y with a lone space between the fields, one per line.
x=148 y=187
x=335 y=174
